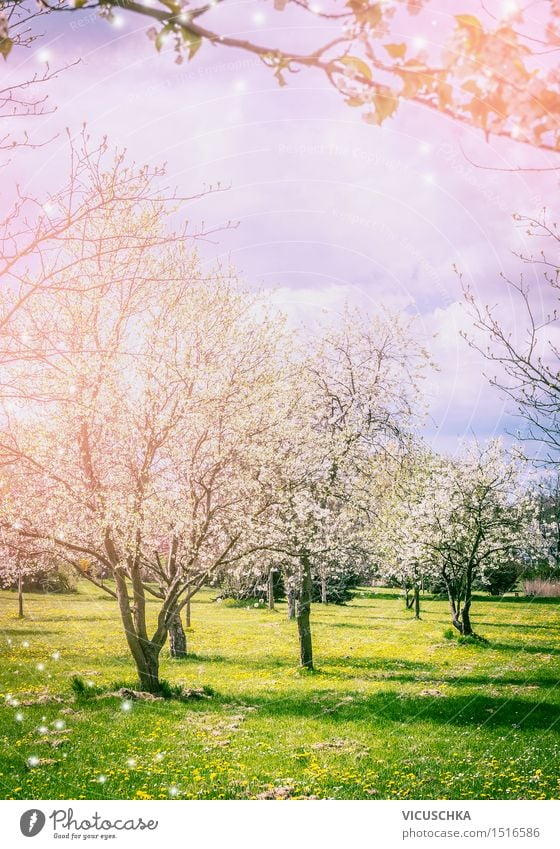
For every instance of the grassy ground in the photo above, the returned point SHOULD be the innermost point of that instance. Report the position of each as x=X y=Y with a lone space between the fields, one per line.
x=395 y=710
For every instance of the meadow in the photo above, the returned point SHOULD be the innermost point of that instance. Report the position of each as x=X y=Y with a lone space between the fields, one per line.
x=395 y=709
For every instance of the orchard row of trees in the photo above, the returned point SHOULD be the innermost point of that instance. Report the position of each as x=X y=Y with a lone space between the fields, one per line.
x=162 y=425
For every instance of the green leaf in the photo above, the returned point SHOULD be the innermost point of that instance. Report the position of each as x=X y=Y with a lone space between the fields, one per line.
x=6 y=45
x=194 y=42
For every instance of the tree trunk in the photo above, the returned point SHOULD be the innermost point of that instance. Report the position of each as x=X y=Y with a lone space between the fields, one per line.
x=417 y=602
x=291 y=597
x=177 y=638
x=324 y=591
x=467 y=627
x=454 y=608
x=188 y=613
x=461 y=619
x=271 y=589
x=303 y=612
x=20 y=596
x=143 y=650
x=148 y=669
x=407 y=599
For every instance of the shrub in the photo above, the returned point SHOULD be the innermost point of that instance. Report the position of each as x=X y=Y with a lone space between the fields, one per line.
x=55 y=580
x=501 y=579
x=252 y=587
x=341 y=587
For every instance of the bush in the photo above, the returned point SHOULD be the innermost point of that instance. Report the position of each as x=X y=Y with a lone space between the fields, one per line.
x=248 y=601
x=252 y=587
x=55 y=580
x=501 y=580
x=340 y=588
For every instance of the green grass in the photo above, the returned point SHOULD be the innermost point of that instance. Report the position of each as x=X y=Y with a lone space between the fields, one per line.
x=395 y=710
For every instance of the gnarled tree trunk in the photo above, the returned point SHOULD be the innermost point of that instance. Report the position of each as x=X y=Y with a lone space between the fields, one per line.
x=460 y=619
x=466 y=617
x=324 y=591
x=144 y=650
x=148 y=668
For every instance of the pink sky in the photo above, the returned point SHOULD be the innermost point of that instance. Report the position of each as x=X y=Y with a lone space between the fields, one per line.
x=329 y=208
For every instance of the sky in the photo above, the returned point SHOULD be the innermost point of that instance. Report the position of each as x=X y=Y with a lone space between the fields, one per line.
x=327 y=209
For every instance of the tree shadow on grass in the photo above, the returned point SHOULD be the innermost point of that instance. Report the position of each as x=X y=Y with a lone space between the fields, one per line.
x=516 y=626
x=389 y=707
x=317 y=623
x=407 y=672
x=521 y=648
x=257 y=662
x=72 y=618
x=526 y=599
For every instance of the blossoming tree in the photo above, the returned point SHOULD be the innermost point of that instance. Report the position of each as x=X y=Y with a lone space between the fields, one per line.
x=476 y=514
x=136 y=404
x=356 y=392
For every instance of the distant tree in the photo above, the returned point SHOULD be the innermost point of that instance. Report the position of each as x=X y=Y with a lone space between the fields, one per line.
x=525 y=355
x=477 y=516
x=20 y=563
x=357 y=392
x=398 y=537
x=548 y=500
